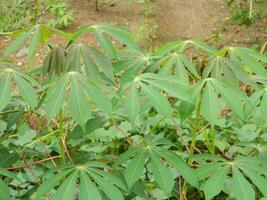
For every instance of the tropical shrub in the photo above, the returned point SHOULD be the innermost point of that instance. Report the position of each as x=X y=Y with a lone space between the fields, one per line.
x=184 y=121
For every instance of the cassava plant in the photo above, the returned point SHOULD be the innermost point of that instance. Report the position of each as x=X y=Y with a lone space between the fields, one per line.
x=118 y=122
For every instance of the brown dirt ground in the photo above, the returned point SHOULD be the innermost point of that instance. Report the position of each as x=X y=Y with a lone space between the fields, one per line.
x=176 y=19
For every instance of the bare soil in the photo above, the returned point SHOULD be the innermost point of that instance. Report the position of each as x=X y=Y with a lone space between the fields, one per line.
x=176 y=19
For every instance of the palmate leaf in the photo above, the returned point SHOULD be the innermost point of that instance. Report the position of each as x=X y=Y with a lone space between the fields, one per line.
x=121 y=34
x=27 y=92
x=242 y=189
x=24 y=84
x=4 y=191
x=132 y=104
x=179 y=65
x=80 y=91
x=186 y=172
x=135 y=168
x=250 y=59
x=233 y=97
x=91 y=177
x=161 y=174
x=106 y=44
x=78 y=103
x=56 y=97
x=242 y=167
x=157 y=100
x=67 y=189
x=169 y=84
x=214 y=185
x=210 y=107
x=5 y=89
x=88 y=189
x=159 y=158
x=37 y=34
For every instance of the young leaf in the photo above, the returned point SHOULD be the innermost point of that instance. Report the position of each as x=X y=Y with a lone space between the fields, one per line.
x=241 y=187
x=135 y=168
x=132 y=104
x=161 y=174
x=214 y=185
x=88 y=190
x=5 y=91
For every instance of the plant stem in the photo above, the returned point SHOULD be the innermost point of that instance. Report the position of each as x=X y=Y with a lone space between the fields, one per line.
x=61 y=135
x=193 y=142
x=195 y=129
x=212 y=133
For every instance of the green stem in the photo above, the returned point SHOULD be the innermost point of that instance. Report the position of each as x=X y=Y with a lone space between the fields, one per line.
x=195 y=129
x=193 y=141
x=61 y=135
x=212 y=132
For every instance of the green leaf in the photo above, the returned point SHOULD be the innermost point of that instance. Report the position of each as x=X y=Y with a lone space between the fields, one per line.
x=109 y=189
x=258 y=180
x=119 y=33
x=168 y=84
x=4 y=172
x=135 y=168
x=46 y=186
x=185 y=110
x=36 y=36
x=67 y=189
x=102 y=62
x=208 y=169
x=132 y=104
x=101 y=100
x=56 y=98
x=157 y=100
x=232 y=98
x=187 y=173
x=106 y=44
x=78 y=104
x=27 y=92
x=126 y=156
x=214 y=185
x=88 y=190
x=5 y=90
x=210 y=107
x=161 y=174
x=16 y=44
x=4 y=191
x=241 y=188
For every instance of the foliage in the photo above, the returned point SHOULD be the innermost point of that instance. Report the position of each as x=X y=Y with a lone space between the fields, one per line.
x=63 y=17
x=122 y=123
x=15 y=14
x=246 y=11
